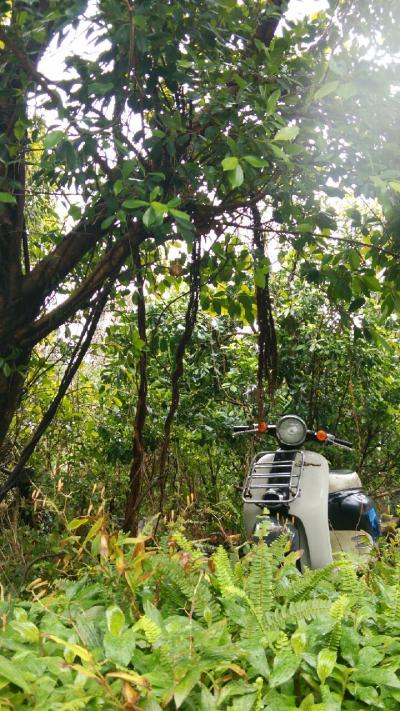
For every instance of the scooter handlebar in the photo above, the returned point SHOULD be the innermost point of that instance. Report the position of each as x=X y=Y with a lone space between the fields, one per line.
x=342 y=442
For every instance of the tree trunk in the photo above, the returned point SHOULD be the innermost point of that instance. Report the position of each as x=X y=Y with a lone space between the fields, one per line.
x=10 y=392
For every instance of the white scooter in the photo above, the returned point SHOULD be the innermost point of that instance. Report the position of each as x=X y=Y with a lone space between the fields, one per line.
x=323 y=511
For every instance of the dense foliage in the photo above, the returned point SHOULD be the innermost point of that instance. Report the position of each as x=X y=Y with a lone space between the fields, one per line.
x=199 y=226
x=134 y=623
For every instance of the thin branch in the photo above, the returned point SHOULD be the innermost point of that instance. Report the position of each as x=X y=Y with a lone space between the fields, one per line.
x=77 y=356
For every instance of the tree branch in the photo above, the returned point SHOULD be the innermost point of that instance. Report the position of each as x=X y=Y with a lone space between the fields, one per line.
x=77 y=356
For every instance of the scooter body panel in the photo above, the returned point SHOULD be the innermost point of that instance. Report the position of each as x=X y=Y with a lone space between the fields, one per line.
x=311 y=508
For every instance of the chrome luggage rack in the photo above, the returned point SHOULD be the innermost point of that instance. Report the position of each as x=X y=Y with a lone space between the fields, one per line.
x=278 y=480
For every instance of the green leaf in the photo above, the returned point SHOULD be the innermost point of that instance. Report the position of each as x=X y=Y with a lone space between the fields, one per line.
x=77 y=523
x=179 y=214
x=153 y=217
x=381 y=677
x=115 y=620
x=75 y=212
x=134 y=203
x=7 y=197
x=369 y=657
x=236 y=176
x=53 y=139
x=13 y=672
x=371 y=282
x=255 y=161
x=285 y=666
x=120 y=649
x=347 y=90
x=287 y=133
x=272 y=101
x=326 y=661
x=107 y=222
x=19 y=129
x=230 y=163
x=326 y=89
x=259 y=278
x=183 y=689
x=279 y=153
x=395 y=185
x=28 y=631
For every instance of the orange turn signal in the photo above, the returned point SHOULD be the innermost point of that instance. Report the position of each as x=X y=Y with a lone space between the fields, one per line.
x=262 y=427
x=321 y=436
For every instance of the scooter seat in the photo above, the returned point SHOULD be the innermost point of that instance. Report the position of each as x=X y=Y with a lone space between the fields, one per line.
x=342 y=479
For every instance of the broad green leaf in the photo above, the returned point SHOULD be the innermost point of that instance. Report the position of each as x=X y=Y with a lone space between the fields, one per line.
x=287 y=133
x=208 y=702
x=395 y=185
x=272 y=101
x=120 y=649
x=379 y=675
x=53 y=139
x=278 y=152
x=371 y=282
x=7 y=197
x=118 y=187
x=255 y=161
x=19 y=129
x=75 y=649
x=179 y=214
x=152 y=217
x=27 y=630
x=134 y=203
x=183 y=689
x=369 y=657
x=108 y=222
x=13 y=672
x=326 y=661
x=230 y=163
x=75 y=212
x=347 y=90
x=285 y=666
x=236 y=176
x=259 y=278
x=115 y=620
x=77 y=523
x=326 y=89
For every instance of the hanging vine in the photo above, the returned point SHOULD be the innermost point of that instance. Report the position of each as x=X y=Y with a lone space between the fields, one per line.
x=267 y=345
x=190 y=321
x=138 y=450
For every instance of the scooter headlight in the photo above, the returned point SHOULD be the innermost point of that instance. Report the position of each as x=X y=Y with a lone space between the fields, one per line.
x=291 y=430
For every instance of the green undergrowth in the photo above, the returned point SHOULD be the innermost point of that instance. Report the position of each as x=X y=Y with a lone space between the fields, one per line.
x=133 y=623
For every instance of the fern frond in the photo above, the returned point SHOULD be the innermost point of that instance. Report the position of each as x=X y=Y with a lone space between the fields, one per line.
x=305 y=584
x=282 y=642
x=181 y=540
x=349 y=582
x=259 y=582
x=295 y=612
x=151 y=630
x=337 y=613
x=223 y=570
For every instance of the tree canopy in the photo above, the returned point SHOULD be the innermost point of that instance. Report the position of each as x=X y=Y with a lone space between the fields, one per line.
x=187 y=147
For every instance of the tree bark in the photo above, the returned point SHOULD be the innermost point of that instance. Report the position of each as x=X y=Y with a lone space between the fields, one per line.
x=138 y=448
x=11 y=387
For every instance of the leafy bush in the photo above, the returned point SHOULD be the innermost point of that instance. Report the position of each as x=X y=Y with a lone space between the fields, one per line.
x=131 y=624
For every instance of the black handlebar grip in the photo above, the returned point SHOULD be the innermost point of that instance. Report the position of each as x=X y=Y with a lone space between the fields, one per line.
x=241 y=428
x=344 y=442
